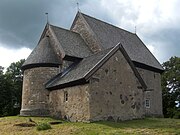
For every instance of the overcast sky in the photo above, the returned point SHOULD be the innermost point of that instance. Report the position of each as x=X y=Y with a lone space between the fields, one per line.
x=22 y=22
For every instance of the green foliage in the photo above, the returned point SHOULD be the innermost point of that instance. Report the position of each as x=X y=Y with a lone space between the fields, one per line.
x=5 y=94
x=177 y=114
x=11 y=89
x=43 y=126
x=171 y=87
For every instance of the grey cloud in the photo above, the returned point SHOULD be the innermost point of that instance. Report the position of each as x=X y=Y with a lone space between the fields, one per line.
x=168 y=36
x=22 y=21
x=165 y=41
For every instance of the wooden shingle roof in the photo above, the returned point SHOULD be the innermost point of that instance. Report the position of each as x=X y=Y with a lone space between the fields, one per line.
x=42 y=55
x=71 y=42
x=110 y=35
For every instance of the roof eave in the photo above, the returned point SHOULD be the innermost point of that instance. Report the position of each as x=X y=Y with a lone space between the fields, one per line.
x=69 y=84
x=36 y=65
x=144 y=66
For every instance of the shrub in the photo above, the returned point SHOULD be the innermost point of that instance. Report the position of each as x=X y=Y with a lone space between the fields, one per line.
x=177 y=114
x=43 y=126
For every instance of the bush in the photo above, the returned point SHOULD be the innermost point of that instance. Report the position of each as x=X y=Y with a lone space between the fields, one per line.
x=177 y=114
x=43 y=126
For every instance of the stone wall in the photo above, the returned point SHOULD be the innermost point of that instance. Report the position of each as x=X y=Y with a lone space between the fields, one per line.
x=153 y=81
x=115 y=92
x=71 y=103
x=82 y=27
x=34 y=96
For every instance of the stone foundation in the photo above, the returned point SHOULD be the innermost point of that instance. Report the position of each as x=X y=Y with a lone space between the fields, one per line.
x=34 y=112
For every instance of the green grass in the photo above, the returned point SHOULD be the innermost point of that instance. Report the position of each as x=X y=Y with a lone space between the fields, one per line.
x=148 y=126
x=43 y=126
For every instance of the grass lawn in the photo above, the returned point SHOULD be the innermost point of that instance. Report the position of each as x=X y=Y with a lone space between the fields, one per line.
x=148 y=126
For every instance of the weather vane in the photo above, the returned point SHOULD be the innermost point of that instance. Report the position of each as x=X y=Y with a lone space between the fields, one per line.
x=47 y=17
x=78 y=7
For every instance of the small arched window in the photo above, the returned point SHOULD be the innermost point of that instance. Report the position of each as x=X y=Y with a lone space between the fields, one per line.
x=65 y=96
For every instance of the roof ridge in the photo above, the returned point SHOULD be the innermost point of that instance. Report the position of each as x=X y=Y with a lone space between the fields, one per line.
x=64 y=29
x=108 y=23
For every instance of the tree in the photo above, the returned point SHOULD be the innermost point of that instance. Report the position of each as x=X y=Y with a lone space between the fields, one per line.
x=11 y=89
x=5 y=94
x=1 y=89
x=171 y=87
x=15 y=75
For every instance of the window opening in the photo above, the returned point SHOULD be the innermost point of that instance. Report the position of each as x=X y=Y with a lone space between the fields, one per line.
x=65 y=96
x=147 y=103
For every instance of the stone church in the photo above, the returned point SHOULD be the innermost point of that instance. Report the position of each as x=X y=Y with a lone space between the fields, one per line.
x=94 y=71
